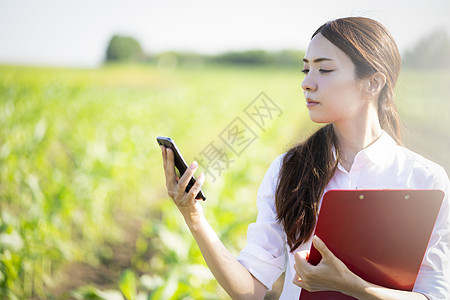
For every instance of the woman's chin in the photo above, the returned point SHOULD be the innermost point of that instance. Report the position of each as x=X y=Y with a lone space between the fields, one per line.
x=317 y=118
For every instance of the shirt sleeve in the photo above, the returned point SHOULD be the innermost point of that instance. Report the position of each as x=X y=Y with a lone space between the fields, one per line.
x=433 y=279
x=264 y=256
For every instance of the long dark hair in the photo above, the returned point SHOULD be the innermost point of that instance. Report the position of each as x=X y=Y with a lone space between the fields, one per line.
x=308 y=167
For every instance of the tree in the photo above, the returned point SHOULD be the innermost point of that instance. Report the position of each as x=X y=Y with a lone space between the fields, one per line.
x=431 y=52
x=124 y=48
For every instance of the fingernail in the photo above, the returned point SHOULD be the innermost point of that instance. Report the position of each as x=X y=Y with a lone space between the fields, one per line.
x=194 y=164
x=201 y=176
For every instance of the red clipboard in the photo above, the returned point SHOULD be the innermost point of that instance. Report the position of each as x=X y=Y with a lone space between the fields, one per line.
x=380 y=235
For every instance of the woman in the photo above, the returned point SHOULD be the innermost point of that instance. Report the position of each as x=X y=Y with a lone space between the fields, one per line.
x=351 y=68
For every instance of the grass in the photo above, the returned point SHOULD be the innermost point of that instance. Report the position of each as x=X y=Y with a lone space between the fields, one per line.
x=79 y=163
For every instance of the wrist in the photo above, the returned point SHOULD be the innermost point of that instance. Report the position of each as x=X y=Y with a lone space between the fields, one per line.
x=357 y=287
x=195 y=224
x=192 y=215
x=352 y=285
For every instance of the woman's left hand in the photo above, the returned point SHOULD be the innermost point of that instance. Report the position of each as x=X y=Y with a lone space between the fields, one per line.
x=330 y=274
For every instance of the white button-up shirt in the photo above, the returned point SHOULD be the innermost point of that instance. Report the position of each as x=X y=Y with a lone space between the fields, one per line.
x=383 y=165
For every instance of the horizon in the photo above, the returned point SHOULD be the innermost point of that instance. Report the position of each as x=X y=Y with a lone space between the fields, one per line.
x=76 y=33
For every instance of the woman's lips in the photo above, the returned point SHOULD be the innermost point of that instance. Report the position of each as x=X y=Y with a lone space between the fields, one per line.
x=311 y=103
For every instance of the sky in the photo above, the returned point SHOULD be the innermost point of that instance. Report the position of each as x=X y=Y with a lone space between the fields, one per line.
x=76 y=33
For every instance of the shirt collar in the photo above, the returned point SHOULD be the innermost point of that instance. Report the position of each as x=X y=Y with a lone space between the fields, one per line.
x=381 y=152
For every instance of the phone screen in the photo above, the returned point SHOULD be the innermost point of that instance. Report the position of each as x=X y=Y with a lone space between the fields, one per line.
x=180 y=163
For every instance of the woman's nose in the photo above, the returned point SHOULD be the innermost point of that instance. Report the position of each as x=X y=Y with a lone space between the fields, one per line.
x=308 y=84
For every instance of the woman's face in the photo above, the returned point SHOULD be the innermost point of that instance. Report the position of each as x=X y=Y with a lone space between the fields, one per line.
x=330 y=87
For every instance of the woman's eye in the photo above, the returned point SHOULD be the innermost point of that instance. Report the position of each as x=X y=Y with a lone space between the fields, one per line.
x=325 y=71
x=322 y=71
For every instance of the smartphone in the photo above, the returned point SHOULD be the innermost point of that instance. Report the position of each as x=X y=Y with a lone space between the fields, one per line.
x=180 y=163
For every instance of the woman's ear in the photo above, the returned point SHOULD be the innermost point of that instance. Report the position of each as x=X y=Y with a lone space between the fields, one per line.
x=374 y=84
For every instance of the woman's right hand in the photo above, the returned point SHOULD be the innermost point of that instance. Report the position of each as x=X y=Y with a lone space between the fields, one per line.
x=189 y=207
x=232 y=276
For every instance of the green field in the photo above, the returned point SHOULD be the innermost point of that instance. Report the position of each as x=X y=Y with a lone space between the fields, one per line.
x=84 y=210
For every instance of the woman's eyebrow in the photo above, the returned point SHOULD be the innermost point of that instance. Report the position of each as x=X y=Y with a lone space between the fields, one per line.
x=317 y=60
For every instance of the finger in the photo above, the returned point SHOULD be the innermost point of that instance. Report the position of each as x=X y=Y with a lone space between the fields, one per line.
x=321 y=247
x=298 y=271
x=195 y=189
x=184 y=180
x=171 y=178
x=302 y=265
x=298 y=281
x=164 y=156
x=301 y=256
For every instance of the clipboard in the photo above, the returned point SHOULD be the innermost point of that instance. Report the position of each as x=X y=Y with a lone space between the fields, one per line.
x=380 y=235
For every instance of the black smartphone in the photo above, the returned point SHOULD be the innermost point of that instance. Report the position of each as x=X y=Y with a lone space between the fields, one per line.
x=180 y=163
